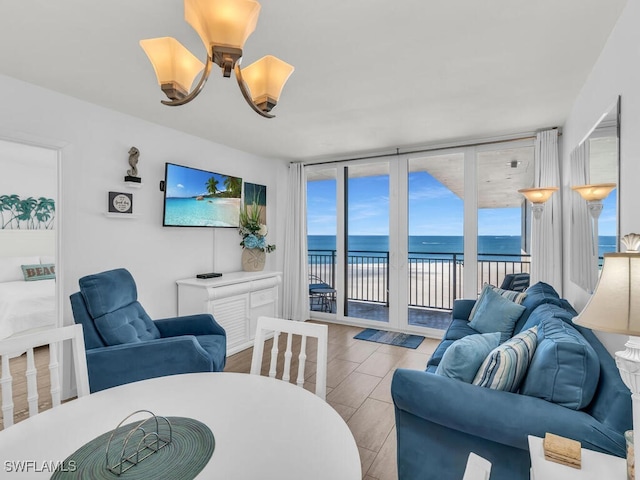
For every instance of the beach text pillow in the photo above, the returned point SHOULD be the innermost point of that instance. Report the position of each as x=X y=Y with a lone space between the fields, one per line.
x=39 y=272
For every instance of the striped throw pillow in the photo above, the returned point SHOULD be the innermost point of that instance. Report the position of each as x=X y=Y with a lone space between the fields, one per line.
x=516 y=297
x=505 y=367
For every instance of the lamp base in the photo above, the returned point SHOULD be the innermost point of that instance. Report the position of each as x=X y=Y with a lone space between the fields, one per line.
x=628 y=362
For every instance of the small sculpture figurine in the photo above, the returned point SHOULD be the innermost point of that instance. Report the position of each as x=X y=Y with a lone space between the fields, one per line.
x=132 y=173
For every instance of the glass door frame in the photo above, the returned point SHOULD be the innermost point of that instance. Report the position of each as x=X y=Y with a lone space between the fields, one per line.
x=399 y=232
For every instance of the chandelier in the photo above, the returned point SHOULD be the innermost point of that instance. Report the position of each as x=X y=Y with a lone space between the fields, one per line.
x=223 y=27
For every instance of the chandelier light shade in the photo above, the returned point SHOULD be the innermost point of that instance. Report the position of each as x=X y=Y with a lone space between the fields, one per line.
x=222 y=22
x=537 y=196
x=596 y=192
x=175 y=66
x=223 y=27
x=265 y=80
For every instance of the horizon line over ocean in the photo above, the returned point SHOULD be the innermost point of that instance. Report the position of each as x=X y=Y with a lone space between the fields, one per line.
x=487 y=244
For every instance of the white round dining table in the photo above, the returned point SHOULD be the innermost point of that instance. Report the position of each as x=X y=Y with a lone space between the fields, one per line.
x=263 y=428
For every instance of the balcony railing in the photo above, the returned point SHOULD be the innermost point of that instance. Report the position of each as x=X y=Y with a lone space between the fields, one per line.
x=435 y=279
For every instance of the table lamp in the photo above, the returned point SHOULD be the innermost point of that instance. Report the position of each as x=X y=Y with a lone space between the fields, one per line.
x=615 y=307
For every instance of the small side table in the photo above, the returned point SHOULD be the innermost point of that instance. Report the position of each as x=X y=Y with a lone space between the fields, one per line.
x=595 y=465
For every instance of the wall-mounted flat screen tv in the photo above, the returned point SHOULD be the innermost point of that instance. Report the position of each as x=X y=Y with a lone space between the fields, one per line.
x=198 y=198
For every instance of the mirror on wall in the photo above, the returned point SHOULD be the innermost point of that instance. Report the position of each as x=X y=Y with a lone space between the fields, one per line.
x=594 y=180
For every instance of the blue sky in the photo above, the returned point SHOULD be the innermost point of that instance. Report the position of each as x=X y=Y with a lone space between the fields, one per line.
x=433 y=209
x=607 y=221
x=189 y=182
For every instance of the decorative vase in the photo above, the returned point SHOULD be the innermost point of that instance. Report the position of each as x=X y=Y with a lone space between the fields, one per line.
x=253 y=259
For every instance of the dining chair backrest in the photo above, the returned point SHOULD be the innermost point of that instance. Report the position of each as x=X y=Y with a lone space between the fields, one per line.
x=478 y=468
x=268 y=325
x=15 y=346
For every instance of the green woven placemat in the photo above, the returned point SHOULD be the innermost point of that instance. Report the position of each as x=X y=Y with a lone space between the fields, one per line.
x=188 y=453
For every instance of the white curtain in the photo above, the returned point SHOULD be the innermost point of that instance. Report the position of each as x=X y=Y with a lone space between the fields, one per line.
x=295 y=295
x=583 y=268
x=546 y=243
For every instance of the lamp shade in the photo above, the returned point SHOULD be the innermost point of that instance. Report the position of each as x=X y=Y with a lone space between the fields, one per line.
x=594 y=192
x=222 y=22
x=172 y=62
x=539 y=194
x=266 y=78
x=615 y=305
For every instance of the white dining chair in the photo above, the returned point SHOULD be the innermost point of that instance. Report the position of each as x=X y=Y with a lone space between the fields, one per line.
x=478 y=468
x=268 y=325
x=13 y=346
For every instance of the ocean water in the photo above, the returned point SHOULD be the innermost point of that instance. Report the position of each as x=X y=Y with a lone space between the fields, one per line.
x=499 y=246
x=209 y=212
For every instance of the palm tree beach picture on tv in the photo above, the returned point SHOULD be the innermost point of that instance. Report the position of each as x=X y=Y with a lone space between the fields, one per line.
x=197 y=198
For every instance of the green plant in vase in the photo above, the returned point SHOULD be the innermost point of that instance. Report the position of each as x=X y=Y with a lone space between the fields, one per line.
x=254 y=242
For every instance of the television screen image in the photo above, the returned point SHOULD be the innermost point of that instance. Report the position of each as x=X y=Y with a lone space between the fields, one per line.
x=198 y=198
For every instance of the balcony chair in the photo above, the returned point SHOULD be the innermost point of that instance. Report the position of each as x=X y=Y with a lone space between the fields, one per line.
x=518 y=282
x=124 y=345
x=267 y=326
x=17 y=345
x=321 y=295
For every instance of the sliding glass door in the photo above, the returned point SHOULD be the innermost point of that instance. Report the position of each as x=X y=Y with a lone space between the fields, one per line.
x=503 y=221
x=396 y=240
x=435 y=242
x=366 y=258
x=322 y=240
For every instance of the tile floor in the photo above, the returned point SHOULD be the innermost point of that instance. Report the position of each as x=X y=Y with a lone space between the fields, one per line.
x=358 y=386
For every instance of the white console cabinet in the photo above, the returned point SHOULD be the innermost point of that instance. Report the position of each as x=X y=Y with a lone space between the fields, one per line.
x=235 y=300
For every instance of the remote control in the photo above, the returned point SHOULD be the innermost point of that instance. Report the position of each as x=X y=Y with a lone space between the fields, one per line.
x=208 y=275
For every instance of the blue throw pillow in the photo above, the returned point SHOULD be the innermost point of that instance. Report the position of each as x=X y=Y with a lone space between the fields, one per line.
x=517 y=297
x=464 y=356
x=565 y=368
x=505 y=367
x=496 y=314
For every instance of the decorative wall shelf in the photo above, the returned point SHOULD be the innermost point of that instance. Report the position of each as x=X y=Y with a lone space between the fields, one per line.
x=121 y=215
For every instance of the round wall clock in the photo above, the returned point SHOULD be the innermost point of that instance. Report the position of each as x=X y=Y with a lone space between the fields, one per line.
x=120 y=202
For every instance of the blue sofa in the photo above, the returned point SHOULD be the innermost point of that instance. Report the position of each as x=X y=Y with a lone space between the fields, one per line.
x=124 y=345
x=439 y=420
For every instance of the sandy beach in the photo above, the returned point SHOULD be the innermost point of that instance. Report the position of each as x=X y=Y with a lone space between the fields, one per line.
x=430 y=280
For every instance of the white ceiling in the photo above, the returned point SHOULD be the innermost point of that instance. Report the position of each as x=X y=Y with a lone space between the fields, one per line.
x=371 y=75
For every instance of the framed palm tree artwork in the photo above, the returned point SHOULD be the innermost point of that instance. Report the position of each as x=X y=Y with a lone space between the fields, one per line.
x=30 y=213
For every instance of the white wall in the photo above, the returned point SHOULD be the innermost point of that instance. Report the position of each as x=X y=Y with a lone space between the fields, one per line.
x=94 y=161
x=617 y=72
x=27 y=171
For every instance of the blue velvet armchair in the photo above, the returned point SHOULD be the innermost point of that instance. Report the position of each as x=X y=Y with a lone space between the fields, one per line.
x=124 y=345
